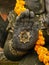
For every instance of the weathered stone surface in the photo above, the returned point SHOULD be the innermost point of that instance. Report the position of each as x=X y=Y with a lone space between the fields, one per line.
x=31 y=59
x=47 y=5
x=35 y=5
x=3 y=32
x=25 y=22
x=2 y=56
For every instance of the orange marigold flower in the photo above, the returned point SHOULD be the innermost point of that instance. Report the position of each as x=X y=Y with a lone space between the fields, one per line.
x=42 y=52
x=46 y=59
x=41 y=57
x=40 y=32
x=19 y=7
x=36 y=47
x=48 y=53
x=41 y=37
x=40 y=42
x=47 y=64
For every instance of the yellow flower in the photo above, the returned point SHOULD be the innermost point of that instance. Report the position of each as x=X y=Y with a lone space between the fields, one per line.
x=19 y=7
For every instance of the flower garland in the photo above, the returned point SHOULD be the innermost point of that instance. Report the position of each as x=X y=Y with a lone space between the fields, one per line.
x=43 y=53
x=19 y=7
